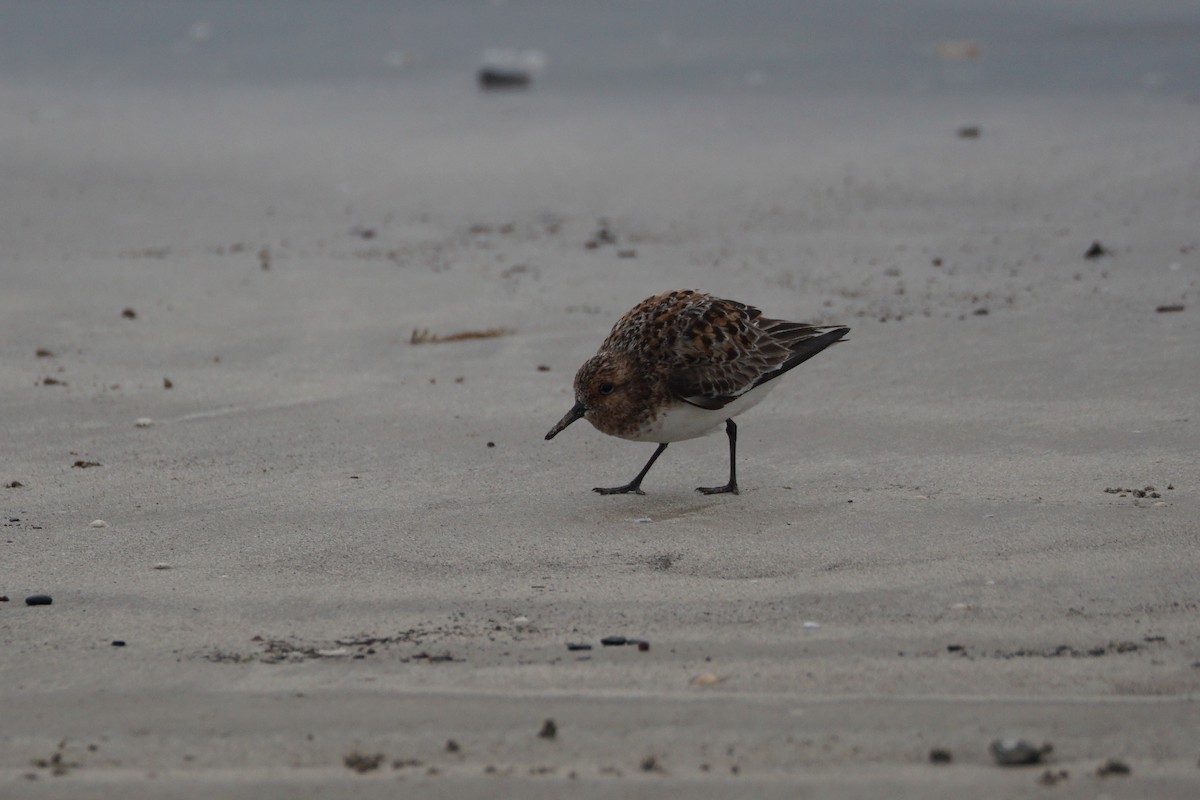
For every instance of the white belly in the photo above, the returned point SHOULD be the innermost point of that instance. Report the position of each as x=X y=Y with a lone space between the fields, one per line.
x=686 y=421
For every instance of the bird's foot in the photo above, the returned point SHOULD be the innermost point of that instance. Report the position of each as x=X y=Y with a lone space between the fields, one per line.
x=629 y=488
x=729 y=488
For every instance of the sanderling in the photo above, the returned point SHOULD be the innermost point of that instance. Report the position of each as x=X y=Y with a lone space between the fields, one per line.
x=679 y=364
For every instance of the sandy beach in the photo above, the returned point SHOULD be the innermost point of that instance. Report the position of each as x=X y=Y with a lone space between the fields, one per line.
x=241 y=438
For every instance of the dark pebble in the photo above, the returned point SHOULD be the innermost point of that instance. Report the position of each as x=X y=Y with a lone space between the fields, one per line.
x=491 y=78
x=549 y=730
x=643 y=646
x=1097 y=250
x=613 y=641
x=1113 y=767
x=940 y=755
x=969 y=132
x=578 y=646
x=38 y=600
x=118 y=643
x=954 y=648
x=452 y=746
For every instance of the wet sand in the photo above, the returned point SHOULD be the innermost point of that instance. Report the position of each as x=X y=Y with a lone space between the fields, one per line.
x=334 y=543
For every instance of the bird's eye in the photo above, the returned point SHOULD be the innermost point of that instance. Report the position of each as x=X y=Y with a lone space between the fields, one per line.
x=606 y=388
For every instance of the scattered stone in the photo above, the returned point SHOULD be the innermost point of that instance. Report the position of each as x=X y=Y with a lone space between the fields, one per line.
x=48 y=381
x=492 y=78
x=401 y=763
x=168 y=383
x=163 y=565
x=1018 y=752
x=452 y=746
x=521 y=621
x=643 y=646
x=1167 y=309
x=549 y=730
x=13 y=485
x=969 y=132
x=99 y=523
x=3 y=598
x=706 y=679
x=578 y=646
x=630 y=253
x=129 y=313
x=1053 y=777
x=650 y=764
x=81 y=464
x=118 y=643
x=939 y=755
x=614 y=641
x=955 y=648
x=143 y=422
x=1113 y=767
x=491 y=444
x=543 y=368
x=38 y=600
x=362 y=762
x=1097 y=250
x=42 y=352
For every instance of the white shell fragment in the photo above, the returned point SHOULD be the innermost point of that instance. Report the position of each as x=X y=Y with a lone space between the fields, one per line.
x=163 y=565
x=99 y=523
x=143 y=422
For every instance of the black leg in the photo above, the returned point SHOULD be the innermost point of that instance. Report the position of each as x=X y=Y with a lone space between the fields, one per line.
x=634 y=485
x=731 y=487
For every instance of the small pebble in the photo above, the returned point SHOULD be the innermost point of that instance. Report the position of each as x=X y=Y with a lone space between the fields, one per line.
x=578 y=646
x=1113 y=767
x=38 y=600
x=99 y=523
x=163 y=565
x=520 y=622
x=118 y=643
x=939 y=755
x=706 y=679
x=811 y=626
x=549 y=730
x=1018 y=752
x=643 y=520
x=452 y=746
x=143 y=422
x=613 y=641
x=643 y=646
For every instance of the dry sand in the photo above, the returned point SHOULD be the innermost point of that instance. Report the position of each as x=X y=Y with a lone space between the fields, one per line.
x=372 y=550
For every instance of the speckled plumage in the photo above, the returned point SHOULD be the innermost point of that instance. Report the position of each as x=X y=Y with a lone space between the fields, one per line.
x=678 y=364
